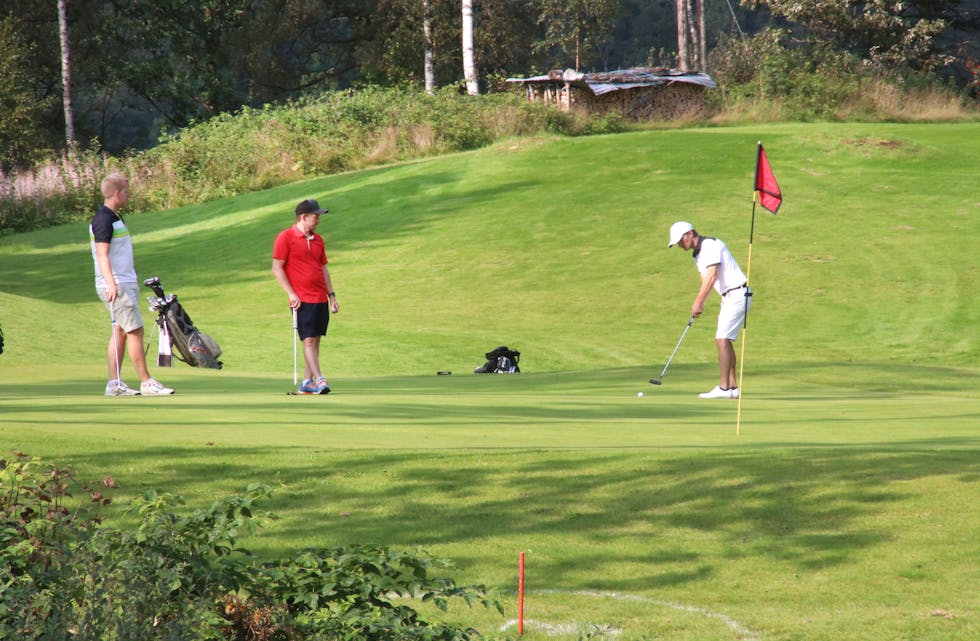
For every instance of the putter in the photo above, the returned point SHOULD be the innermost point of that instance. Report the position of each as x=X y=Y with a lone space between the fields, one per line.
x=115 y=344
x=660 y=379
x=295 y=375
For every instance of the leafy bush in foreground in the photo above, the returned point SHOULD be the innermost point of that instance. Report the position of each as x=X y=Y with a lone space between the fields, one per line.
x=65 y=574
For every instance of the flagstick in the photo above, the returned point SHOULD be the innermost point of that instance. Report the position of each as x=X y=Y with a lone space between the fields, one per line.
x=745 y=322
x=748 y=276
x=770 y=197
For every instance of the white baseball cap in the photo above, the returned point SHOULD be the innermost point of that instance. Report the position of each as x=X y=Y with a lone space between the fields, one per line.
x=677 y=230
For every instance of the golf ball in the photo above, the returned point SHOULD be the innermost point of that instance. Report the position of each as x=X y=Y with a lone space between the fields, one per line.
x=640 y=394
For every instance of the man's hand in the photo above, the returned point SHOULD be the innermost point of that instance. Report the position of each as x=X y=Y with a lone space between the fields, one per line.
x=697 y=308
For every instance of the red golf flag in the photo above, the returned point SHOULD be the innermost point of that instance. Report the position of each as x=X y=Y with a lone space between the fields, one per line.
x=765 y=183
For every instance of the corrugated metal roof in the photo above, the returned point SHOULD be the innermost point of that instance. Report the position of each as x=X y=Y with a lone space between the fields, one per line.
x=609 y=81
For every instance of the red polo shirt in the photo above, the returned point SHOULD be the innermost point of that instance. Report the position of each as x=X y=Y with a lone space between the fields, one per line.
x=303 y=260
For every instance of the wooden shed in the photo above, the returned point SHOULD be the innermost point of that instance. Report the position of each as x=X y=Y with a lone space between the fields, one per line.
x=640 y=93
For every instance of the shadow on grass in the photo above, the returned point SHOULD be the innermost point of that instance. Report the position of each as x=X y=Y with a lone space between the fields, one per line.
x=675 y=514
x=811 y=508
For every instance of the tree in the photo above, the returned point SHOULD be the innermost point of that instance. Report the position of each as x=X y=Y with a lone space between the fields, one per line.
x=22 y=132
x=394 y=42
x=66 y=75
x=469 y=66
x=394 y=45
x=574 y=29
x=692 y=52
x=891 y=34
x=430 y=72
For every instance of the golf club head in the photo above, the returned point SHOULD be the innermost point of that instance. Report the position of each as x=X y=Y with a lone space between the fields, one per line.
x=154 y=283
x=654 y=381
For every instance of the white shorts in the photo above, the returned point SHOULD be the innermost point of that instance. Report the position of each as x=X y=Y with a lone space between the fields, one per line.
x=731 y=316
x=125 y=309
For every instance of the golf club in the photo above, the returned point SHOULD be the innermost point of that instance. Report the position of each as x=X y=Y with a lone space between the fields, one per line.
x=115 y=343
x=660 y=379
x=295 y=330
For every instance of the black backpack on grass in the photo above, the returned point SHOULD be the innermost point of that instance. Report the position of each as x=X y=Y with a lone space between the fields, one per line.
x=502 y=360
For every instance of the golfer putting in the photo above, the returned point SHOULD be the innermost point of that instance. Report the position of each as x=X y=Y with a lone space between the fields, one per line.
x=718 y=271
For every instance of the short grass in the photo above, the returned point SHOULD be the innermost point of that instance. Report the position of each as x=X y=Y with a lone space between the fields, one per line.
x=845 y=508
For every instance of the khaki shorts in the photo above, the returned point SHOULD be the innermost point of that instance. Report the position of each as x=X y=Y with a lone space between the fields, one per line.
x=125 y=309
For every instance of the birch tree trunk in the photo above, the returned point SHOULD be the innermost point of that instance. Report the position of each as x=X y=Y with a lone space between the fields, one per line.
x=66 y=76
x=692 y=34
x=702 y=46
x=430 y=72
x=692 y=53
x=469 y=67
x=682 y=56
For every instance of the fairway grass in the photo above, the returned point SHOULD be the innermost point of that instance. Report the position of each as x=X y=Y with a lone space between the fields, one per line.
x=838 y=514
x=845 y=508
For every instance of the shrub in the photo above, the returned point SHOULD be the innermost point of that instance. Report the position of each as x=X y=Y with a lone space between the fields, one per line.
x=65 y=574
x=770 y=77
x=55 y=191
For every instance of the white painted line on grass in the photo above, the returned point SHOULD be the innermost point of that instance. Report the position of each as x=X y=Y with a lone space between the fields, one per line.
x=562 y=629
x=739 y=630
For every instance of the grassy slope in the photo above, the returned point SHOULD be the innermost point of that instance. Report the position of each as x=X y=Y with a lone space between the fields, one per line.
x=842 y=511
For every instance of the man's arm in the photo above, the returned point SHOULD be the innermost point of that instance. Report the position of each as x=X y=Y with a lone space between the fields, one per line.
x=708 y=278
x=105 y=268
x=334 y=305
x=280 y=273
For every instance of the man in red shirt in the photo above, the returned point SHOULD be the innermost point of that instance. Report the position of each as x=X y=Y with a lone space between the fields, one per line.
x=299 y=263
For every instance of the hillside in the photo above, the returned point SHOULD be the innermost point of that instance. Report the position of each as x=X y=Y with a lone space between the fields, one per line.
x=557 y=247
x=839 y=511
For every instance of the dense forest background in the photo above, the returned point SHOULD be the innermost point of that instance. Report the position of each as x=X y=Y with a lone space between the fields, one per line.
x=143 y=68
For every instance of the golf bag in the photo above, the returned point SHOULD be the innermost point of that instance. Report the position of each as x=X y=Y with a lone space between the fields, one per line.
x=194 y=347
x=502 y=360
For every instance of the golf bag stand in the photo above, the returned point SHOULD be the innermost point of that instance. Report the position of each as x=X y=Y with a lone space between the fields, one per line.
x=194 y=347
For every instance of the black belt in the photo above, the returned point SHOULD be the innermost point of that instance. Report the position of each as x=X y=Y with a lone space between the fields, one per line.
x=729 y=291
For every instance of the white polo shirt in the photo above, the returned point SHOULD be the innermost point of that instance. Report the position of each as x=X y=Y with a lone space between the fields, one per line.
x=108 y=227
x=714 y=252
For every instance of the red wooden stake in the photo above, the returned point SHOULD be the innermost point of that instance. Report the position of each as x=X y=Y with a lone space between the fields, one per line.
x=520 y=597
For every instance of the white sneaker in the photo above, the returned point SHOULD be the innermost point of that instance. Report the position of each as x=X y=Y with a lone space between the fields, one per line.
x=717 y=392
x=153 y=387
x=118 y=388
x=734 y=392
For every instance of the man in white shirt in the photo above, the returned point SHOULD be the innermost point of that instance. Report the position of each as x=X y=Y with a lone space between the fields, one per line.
x=118 y=286
x=720 y=272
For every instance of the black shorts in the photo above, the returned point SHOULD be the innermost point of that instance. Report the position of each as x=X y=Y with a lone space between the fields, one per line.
x=312 y=319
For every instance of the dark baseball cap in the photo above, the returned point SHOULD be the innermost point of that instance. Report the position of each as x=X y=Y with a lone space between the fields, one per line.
x=309 y=207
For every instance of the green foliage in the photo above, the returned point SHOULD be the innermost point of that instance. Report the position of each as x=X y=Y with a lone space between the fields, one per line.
x=573 y=30
x=328 y=133
x=258 y=148
x=347 y=593
x=889 y=34
x=54 y=192
x=814 y=81
x=64 y=574
x=20 y=125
